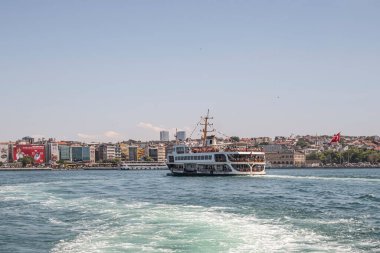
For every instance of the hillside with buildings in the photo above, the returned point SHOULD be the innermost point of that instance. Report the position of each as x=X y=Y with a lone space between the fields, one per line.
x=293 y=151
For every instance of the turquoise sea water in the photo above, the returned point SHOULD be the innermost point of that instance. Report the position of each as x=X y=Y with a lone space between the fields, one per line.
x=147 y=211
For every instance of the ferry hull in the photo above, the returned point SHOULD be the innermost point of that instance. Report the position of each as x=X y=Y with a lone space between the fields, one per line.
x=199 y=174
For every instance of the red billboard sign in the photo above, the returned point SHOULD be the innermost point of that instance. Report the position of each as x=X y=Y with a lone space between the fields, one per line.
x=37 y=152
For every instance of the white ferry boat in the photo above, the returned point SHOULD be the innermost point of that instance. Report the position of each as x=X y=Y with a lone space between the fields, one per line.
x=212 y=159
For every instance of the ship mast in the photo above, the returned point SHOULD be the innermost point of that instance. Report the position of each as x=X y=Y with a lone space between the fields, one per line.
x=206 y=124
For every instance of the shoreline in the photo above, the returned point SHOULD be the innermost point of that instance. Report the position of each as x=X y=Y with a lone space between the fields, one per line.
x=163 y=168
x=81 y=169
x=323 y=168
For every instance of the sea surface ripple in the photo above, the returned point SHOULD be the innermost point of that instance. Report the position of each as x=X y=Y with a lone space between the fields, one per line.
x=303 y=210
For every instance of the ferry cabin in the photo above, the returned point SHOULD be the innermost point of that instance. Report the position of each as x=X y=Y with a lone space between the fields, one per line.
x=182 y=160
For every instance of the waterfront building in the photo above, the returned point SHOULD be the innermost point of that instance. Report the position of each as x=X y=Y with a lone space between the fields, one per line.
x=161 y=154
x=181 y=135
x=86 y=154
x=124 y=150
x=152 y=153
x=273 y=148
x=107 y=152
x=140 y=153
x=118 y=152
x=4 y=152
x=132 y=150
x=64 y=152
x=52 y=152
x=92 y=154
x=76 y=154
x=164 y=136
x=286 y=158
x=156 y=153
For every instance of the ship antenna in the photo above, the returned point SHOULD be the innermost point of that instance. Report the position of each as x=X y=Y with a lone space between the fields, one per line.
x=206 y=124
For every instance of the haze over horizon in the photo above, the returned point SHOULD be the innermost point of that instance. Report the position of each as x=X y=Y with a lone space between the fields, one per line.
x=119 y=70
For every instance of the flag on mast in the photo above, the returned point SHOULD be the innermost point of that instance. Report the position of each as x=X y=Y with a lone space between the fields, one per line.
x=335 y=138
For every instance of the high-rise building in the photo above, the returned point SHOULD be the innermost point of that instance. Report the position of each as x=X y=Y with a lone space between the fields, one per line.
x=64 y=152
x=164 y=136
x=181 y=135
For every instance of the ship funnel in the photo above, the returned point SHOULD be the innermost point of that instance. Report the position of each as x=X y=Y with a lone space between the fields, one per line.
x=211 y=140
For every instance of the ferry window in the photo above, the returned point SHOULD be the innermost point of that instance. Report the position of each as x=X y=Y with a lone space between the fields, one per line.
x=180 y=150
x=171 y=159
x=220 y=158
x=209 y=157
x=202 y=157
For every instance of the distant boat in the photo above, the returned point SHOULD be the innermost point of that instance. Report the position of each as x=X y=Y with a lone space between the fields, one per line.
x=124 y=166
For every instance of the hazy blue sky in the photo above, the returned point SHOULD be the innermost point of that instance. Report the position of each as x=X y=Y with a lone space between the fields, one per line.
x=111 y=70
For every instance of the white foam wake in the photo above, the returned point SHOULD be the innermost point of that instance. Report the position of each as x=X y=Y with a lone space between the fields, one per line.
x=167 y=228
x=361 y=179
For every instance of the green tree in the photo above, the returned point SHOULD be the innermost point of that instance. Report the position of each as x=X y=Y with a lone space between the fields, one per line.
x=313 y=156
x=302 y=143
x=235 y=139
x=26 y=160
x=113 y=161
x=61 y=162
x=1 y=164
x=148 y=159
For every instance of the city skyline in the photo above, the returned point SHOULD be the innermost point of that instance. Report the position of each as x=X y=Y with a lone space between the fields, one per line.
x=96 y=71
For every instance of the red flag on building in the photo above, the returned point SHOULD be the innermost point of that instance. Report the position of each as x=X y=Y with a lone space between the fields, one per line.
x=335 y=138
